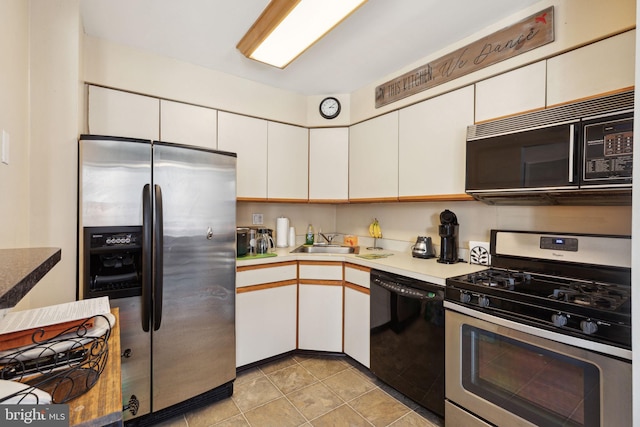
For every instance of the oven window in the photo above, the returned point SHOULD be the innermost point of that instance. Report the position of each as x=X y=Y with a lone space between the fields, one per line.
x=541 y=386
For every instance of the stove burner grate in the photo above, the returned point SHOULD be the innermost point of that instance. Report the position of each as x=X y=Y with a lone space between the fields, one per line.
x=591 y=295
x=500 y=279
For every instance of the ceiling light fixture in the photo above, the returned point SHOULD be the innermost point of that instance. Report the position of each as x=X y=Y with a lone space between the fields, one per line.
x=286 y=28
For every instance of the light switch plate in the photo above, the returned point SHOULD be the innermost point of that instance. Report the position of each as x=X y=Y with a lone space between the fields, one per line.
x=5 y=147
x=257 y=219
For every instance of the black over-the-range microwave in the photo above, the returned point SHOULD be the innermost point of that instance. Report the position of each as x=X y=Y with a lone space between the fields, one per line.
x=579 y=153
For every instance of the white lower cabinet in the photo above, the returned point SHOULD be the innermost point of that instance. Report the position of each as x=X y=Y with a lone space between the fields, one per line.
x=265 y=323
x=308 y=305
x=320 y=318
x=356 y=313
x=266 y=305
x=320 y=306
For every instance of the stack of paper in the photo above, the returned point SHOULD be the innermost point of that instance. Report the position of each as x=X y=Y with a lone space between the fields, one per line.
x=17 y=328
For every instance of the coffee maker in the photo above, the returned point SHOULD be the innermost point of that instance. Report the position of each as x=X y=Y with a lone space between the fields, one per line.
x=448 y=231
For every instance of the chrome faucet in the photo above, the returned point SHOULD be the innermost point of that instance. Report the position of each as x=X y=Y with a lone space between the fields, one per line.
x=328 y=237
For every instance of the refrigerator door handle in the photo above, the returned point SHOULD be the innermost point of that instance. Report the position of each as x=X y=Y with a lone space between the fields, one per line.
x=147 y=227
x=158 y=255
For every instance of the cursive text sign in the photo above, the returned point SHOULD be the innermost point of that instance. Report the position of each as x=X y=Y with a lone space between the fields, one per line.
x=523 y=36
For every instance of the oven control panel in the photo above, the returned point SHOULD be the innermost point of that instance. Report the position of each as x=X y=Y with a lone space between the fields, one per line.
x=559 y=243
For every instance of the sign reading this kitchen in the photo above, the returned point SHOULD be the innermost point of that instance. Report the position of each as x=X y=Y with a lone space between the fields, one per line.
x=523 y=36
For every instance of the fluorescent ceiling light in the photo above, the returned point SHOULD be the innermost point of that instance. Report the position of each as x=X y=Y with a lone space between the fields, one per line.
x=286 y=28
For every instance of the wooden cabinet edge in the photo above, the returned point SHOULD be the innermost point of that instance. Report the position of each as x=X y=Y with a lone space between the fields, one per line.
x=281 y=200
x=357 y=267
x=329 y=201
x=320 y=282
x=374 y=200
x=357 y=288
x=438 y=198
x=325 y=263
x=573 y=101
x=598 y=95
x=241 y=268
x=263 y=286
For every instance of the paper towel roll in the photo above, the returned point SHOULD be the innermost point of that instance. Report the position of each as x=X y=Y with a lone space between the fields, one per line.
x=282 y=230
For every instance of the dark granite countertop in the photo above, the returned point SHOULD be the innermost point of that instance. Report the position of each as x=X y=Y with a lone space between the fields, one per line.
x=21 y=269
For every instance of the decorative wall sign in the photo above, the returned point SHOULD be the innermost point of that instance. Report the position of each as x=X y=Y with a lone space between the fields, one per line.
x=523 y=36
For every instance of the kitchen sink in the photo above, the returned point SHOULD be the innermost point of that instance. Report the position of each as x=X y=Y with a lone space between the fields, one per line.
x=326 y=249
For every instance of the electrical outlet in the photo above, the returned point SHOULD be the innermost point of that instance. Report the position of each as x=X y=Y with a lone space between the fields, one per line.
x=5 y=147
x=257 y=219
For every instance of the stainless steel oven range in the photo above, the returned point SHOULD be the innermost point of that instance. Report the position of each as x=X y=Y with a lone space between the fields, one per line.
x=543 y=337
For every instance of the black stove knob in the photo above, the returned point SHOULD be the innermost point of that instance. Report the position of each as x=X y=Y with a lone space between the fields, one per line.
x=483 y=301
x=589 y=327
x=465 y=297
x=559 y=320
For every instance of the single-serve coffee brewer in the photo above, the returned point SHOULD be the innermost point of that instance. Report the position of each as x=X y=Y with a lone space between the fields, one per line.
x=448 y=231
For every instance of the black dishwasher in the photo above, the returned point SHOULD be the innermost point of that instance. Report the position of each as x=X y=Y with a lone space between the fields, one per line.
x=407 y=337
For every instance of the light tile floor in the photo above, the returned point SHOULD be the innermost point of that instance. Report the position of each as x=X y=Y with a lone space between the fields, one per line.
x=304 y=390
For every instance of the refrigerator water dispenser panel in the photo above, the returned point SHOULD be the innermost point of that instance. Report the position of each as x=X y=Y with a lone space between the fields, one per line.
x=113 y=261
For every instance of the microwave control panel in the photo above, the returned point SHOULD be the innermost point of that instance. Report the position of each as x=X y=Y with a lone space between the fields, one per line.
x=608 y=151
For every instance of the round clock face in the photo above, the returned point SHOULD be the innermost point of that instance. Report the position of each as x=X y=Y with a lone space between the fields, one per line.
x=330 y=108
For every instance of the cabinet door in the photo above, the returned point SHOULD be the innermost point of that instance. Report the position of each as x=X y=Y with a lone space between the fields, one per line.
x=356 y=323
x=329 y=164
x=247 y=137
x=432 y=144
x=188 y=124
x=265 y=323
x=598 y=68
x=288 y=162
x=117 y=113
x=373 y=158
x=320 y=317
x=356 y=313
x=510 y=93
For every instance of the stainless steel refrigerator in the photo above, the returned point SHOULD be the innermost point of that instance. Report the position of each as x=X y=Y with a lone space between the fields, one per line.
x=157 y=235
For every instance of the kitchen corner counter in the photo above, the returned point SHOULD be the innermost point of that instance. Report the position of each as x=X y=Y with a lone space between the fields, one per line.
x=401 y=263
x=21 y=269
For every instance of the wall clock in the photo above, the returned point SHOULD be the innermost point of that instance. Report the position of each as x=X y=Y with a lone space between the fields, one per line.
x=329 y=108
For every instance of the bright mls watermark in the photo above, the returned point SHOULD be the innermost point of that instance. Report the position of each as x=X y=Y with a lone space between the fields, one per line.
x=34 y=415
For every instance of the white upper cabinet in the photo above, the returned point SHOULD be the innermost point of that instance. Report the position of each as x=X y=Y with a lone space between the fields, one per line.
x=247 y=137
x=510 y=93
x=188 y=124
x=598 y=68
x=117 y=113
x=373 y=158
x=433 y=143
x=329 y=164
x=288 y=162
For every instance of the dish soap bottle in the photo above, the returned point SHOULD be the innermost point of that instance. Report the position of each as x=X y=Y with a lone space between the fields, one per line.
x=309 y=239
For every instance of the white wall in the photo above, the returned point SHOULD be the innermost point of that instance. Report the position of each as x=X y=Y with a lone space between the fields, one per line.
x=14 y=119
x=130 y=69
x=54 y=80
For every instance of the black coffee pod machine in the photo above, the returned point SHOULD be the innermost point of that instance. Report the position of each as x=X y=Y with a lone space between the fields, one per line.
x=448 y=231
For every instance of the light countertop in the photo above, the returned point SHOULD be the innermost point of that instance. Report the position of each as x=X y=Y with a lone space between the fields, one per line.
x=401 y=263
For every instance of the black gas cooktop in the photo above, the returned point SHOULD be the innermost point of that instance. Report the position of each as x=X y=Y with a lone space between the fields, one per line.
x=589 y=301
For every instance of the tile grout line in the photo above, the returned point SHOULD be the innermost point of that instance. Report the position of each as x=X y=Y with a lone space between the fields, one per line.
x=348 y=367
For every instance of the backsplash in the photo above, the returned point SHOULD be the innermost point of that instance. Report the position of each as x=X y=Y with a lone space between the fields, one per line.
x=401 y=223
